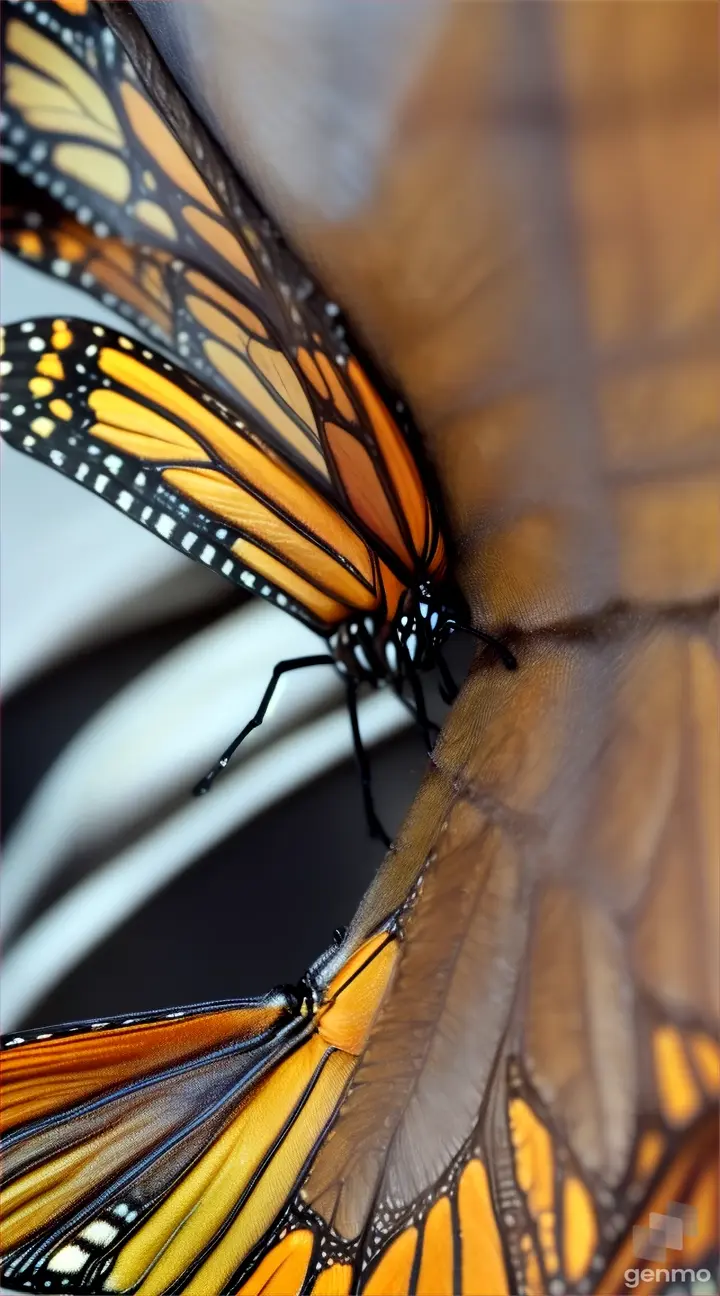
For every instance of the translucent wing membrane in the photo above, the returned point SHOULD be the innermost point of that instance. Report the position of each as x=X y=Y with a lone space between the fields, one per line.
x=121 y=210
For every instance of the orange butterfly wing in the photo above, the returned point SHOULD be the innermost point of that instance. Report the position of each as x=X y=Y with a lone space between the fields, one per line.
x=232 y=301
x=81 y=126
x=541 y=1164
x=153 y=1151
x=132 y=280
x=157 y=445
x=476 y=1138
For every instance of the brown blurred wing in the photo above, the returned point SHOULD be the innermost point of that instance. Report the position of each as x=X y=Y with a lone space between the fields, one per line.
x=546 y=1062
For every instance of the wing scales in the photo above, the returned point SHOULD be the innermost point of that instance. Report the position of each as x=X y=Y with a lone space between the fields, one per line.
x=164 y=1148
x=232 y=301
x=173 y=449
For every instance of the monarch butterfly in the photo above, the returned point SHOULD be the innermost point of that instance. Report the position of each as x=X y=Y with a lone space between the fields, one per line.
x=277 y=459
x=538 y=980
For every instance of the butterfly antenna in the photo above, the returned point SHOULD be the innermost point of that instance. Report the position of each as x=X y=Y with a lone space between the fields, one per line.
x=508 y=659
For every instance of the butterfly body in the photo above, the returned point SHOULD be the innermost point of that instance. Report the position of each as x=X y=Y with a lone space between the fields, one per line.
x=375 y=650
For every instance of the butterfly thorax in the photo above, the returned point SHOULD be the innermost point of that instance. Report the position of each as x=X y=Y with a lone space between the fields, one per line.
x=377 y=650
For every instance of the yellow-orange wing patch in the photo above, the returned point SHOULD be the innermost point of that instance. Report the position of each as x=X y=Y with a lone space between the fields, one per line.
x=454 y=1250
x=82 y=124
x=482 y=1261
x=373 y=465
x=283 y=1269
x=158 y=446
x=131 y=280
x=247 y=318
x=153 y=1153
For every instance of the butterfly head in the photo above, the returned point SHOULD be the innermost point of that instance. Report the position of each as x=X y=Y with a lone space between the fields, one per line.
x=427 y=617
x=419 y=627
x=374 y=649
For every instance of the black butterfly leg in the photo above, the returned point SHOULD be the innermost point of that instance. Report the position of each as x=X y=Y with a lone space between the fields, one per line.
x=448 y=688
x=375 y=828
x=432 y=724
x=421 y=714
x=282 y=668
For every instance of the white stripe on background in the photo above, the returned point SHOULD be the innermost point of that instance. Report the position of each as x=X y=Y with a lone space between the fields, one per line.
x=88 y=914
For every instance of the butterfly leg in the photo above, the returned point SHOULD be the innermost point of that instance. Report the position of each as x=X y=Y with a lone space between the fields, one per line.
x=432 y=724
x=421 y=715
x=448 y=688
x=282 y=668
x=375 y=828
